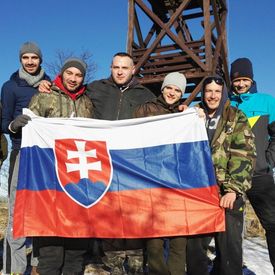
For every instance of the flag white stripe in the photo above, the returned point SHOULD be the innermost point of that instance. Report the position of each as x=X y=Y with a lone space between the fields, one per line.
x=123 y=134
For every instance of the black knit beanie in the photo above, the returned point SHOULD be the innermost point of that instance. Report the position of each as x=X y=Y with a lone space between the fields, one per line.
x=241 y=68
x=75 y=62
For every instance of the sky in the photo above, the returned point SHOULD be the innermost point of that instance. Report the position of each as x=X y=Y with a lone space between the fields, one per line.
x=101 y=27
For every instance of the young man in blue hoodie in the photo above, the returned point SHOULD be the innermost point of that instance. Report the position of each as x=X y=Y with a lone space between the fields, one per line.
x=260 y=110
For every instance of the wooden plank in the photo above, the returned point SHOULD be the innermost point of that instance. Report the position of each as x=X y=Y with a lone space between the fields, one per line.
x=130 y=33
x=207 y=34
x=138 y=30
x=162 y=48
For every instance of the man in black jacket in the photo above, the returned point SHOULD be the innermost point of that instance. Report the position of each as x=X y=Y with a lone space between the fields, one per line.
x=116 y=98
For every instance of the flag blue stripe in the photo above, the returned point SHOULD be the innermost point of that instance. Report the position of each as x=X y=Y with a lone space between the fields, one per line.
x=162 y=166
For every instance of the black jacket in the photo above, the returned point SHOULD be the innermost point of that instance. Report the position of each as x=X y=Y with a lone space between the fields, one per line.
x=112 y=102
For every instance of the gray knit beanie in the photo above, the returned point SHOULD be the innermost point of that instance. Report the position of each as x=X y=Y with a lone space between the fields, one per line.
x=30 y=47
x=176 y=79
x=75 y=62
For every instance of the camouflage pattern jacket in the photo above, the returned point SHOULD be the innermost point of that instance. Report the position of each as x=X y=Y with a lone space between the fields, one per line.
x=59 y=104
x=233 y=151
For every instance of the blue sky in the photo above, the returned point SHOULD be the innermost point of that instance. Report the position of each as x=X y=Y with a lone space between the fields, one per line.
x=101 y=28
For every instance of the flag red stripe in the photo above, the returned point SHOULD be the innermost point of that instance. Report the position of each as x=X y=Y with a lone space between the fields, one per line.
x=125 y=214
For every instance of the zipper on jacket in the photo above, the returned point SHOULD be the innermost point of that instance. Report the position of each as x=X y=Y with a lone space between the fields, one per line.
x=120 y=101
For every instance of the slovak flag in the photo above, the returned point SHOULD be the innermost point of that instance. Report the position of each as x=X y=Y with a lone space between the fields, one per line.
x=135 y=178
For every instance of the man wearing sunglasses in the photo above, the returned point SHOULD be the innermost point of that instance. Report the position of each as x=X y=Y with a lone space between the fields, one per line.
x=260 y=110
x=233 y=154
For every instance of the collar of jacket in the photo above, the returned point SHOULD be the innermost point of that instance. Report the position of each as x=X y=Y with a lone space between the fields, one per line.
x=241 y=97
x=225 y=122
x=20 y=82
x=59 y=87
x=172 y=107
x=133 y=83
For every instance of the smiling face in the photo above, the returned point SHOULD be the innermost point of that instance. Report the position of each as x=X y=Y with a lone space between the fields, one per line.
x=30 y=63
x=171 y=94
x=72 y=79
x=241 y=85
x=212 y=96
x=122 y=69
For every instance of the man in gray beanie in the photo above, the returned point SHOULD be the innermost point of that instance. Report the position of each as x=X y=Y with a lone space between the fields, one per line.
x=176 y=79
x=172 y=89
x=16 y=94
x=30 y=47
x=76 y=63
x=67 y=99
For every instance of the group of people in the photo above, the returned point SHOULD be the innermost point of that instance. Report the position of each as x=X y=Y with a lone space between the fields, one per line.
x=240 y=124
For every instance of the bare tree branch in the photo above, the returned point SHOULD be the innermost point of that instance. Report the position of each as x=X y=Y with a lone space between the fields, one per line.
x=53 y=68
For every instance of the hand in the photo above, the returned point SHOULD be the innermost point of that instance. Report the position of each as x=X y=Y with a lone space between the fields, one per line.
x=183 y=107
x=45 y=86
x=201 y=113
x=227 y=201
x=19 y=122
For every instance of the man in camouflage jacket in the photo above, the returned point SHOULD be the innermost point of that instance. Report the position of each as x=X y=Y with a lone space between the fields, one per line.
x=67 y=99
x=233 y=155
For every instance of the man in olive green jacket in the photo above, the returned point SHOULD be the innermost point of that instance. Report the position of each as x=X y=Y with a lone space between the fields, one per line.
x=67 y=99
x=234 y=156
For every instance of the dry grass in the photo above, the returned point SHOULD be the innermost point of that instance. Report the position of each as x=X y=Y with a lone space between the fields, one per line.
x=252 y=227
x=3 y=218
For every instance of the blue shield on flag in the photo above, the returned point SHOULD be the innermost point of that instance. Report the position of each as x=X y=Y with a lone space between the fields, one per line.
x=84 y=169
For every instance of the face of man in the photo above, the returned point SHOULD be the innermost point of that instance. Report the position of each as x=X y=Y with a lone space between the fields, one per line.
x=171 y=94
x=122 y=69
x=72 y=79
x=241 y=85
x=212 y=96
x=30 y=62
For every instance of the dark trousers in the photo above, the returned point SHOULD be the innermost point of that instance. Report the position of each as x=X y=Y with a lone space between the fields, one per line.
x=228 y=247
x=262 y=199
x=56 y=260
x=13 y=156
x=12 y=160
x=176 y=260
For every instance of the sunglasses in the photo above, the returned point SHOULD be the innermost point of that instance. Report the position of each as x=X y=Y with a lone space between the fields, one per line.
x=217 y=80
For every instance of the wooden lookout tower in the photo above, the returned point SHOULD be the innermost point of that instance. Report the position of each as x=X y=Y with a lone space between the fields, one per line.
x=187 y=36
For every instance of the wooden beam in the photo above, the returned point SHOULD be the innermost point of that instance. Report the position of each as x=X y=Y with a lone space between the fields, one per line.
x=207 y=34
x=130 y=33
x=138 y=30
x=166 y=30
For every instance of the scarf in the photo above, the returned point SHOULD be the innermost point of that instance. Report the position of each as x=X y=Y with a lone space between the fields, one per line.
x=58 y=82
x=32 y=80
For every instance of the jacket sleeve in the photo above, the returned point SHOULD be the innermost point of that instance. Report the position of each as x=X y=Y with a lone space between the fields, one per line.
x=37 y=104
x=270 y=153
x=242 y=157
x=8 y=107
